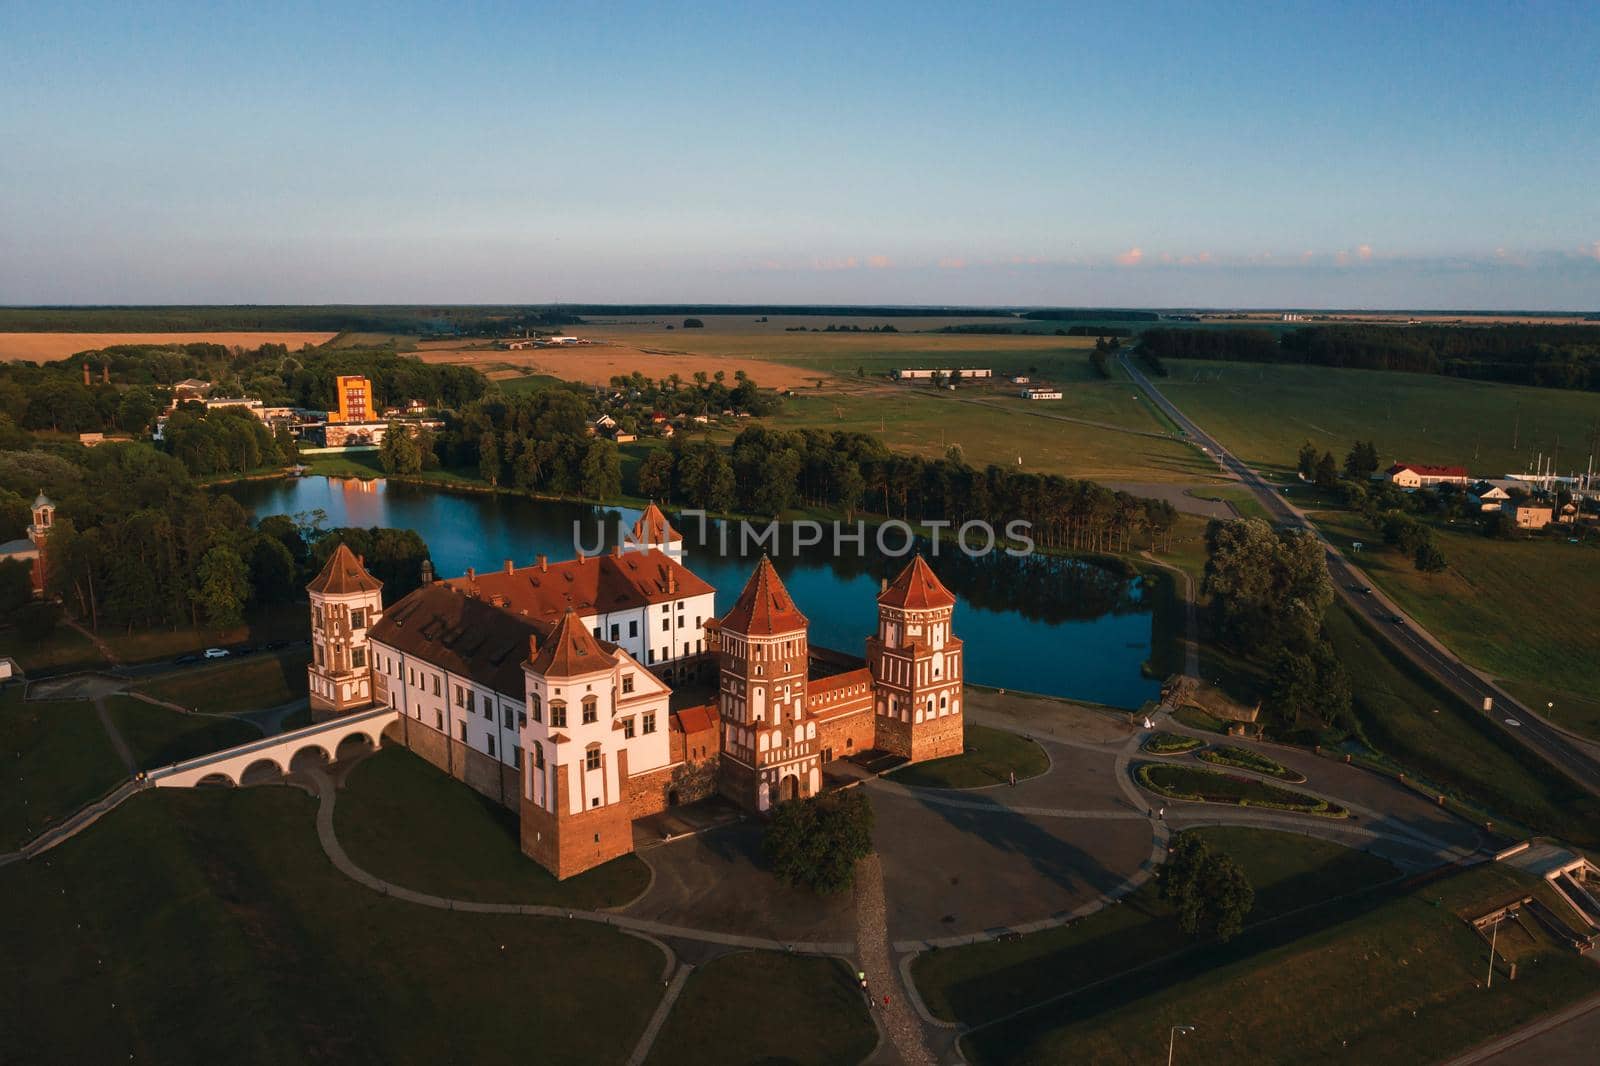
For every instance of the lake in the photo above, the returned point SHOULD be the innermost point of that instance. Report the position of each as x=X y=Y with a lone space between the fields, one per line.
x=1037 y=623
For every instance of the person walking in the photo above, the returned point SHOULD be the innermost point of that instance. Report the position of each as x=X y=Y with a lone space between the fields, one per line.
x=1162 y=814
x=1013 y=779
x=861 y=978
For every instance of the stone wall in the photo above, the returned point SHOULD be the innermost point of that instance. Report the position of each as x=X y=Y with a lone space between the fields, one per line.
x=486 y=775
x=935 y=738
x=569 y=844
x=847 y=734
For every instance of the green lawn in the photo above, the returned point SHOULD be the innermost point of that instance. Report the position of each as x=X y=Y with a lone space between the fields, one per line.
x=279 y=621
x=818 y=1014
x=1195 y=783
x=1263 y=413
x=923 y=422
x=1170 y=744
x=158 y=736
x=991 y=756
x=1402 y=982
x=985 y=981
x=37 y=640
x=207 y=926
x=1431 y=734
x=54 y=758
x=402 y=820
x=1524 y=610
x=234 y=684
x=1195 y=718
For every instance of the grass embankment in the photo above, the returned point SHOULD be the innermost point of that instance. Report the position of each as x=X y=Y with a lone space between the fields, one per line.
x=280 y=621
x=1402 y=982
x=54 y=758
x=1209 y=786
x=1170 y=744
x=992 y=755
x=158 y=736
x=1245 y=759
x=823 y=1019
x=1427 y=731
x=400 y=819
x=207 y=926
x=986 y=981
x=1527 y=610
x=1195 y=718
x=41 y=643
x=228 y=686
x=1263 y=413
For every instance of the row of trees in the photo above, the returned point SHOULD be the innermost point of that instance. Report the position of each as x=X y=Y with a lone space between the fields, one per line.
x=226 y=440
x=769 y=471
x=1561 y=357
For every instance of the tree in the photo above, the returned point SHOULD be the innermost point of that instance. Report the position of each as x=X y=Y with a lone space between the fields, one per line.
x=655 y=475
x=136 y=410
x=815 y=843
x=1307 y=462
x=224 y=587
x=399 y=454
x=1327 y=472
x=1208 y=891
x=693 y=323
x=1428 y=558
x=600 y=473
x=1362 y=461
x=16 y=585
x=489 y=458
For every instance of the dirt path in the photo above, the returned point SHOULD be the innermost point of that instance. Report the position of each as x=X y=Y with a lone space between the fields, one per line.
x=115 y=735
x=101 y=646
x=905 y=1029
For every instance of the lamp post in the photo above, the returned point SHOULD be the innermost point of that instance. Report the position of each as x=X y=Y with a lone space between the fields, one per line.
x=1494 y=934
x=1173 y=1036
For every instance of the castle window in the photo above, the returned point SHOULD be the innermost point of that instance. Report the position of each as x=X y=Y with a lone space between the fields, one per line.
x=651 y=656
x=633 y=628
x=318 y=651
x=627 y=682
x=358 y=619
x=558 y=715
x=538 y=755
x=591 y=759
x=538 y=709
x=616 y=631
x=472 y=700
x=627 y=728
x=461 y=730
x=358 y=657
x=438 y=720
x=488 y=744
x=597 y=633
x=666 y=624
x=649 y=721
x=516 y=758
x=436 y=684
x=589 y=711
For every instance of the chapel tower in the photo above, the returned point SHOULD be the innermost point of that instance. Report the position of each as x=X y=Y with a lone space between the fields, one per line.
x=346 y=601
x=917 y=668
x=44 y=517
x=769 y=750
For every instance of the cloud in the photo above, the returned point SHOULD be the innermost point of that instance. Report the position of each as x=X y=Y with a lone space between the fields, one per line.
x=847 y=263
x=952 y=262
x=1365 y=251
x=1131 y=257
x=879 y=262
x=1342 y=258
x=1593 y=251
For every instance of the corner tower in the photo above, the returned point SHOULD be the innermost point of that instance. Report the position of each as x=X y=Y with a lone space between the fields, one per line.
x=44 y=518
x=769 y=747
x=653 y=531
x=346 y=601
x=917 y=667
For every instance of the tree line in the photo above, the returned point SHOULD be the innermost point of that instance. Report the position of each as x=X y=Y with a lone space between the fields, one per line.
x=1549 y=356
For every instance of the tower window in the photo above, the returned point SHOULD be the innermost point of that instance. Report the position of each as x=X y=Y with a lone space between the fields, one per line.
x=558 y=715
x=627 y=682
x=589 y=712
x=591 y=759
x=650 y=721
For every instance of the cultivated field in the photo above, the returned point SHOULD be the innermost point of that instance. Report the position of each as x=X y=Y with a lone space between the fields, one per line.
x=46 y=347
x=1263 y=412
x=597 y=364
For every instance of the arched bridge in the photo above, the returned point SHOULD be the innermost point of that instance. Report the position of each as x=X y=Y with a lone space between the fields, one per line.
x=272 y=757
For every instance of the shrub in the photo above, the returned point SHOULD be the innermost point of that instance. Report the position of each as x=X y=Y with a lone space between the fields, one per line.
x=1246 y=759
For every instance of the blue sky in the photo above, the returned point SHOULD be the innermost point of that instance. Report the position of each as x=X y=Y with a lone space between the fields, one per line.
x=1147 y=155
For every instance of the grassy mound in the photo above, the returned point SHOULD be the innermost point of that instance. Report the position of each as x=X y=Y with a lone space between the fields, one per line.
x=1209 y=786
x=1245 y=759
x=1170 y=744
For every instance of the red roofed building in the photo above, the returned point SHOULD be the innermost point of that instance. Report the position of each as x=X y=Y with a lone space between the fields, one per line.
x=1421 y=476
x=346 y=602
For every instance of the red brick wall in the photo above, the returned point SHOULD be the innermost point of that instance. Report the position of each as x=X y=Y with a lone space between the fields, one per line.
x=568 y=844
x=848 y=733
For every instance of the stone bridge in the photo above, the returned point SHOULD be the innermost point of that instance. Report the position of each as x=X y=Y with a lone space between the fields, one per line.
x=273 y=757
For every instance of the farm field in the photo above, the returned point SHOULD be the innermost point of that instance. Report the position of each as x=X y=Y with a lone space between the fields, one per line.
x=1402 y=982
x=1264 y=412
x=1527 y=611
x=208 y=926
x=47 y=347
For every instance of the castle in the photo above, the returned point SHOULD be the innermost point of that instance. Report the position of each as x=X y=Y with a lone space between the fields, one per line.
x=548 y=688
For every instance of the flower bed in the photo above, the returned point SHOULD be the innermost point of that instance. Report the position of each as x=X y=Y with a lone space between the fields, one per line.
x=1170 y=744
x=1210 y=786
x=1245 y=759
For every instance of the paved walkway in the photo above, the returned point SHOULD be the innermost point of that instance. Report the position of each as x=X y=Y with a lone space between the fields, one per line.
x=674 y=989
x=1566 y=1038
x=905 y=1029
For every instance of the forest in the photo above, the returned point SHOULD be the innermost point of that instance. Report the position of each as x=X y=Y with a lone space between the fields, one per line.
x=1557 y=357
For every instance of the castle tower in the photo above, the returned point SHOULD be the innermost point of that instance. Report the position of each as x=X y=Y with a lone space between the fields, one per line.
x=575 y=809
x=769 y=750
x=916 y=666
x=346 y=601
x=653 y=531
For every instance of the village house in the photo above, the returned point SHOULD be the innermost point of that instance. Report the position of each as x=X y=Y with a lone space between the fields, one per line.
x=1422 y=476
x=1486 y=496
x=1533 y=515
x=535 y=687
x=1041 y=393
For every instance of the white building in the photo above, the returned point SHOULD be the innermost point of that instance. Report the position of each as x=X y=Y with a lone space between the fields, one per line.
x=1041 y=393
x=1422 y=476
x=926 y=374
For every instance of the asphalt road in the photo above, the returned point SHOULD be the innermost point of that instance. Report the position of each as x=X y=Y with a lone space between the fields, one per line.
x=1516 y=720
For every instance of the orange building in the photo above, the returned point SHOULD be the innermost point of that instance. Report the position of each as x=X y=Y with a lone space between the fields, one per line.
x=355 y=400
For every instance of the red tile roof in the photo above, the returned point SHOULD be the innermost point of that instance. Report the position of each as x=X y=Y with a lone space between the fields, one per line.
x=694 y=719
x=1424 y=470
x=343 y=573
x=570 y=650
x=588 y=585
x=463 y=635
x=653 y=528
x=917 y=589
x=764 y=607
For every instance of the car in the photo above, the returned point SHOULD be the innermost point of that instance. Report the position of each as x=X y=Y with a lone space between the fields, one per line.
x=216 y=653
x=274 y=645
x=1397 y=620
x=185 y=660
x=1366 y=590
